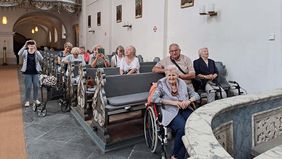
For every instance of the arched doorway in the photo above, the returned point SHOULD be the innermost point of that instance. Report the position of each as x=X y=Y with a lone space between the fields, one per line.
x=45 y=28
x=19 y=41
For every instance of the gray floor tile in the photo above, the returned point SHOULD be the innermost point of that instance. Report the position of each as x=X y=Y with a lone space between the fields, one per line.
x=82 y=139
x=70 y=122
x=118 y=154
x=54 y=119
x=43 y=149
x=141 y=147
x=61 y=133
x=143 y=155
x=36 y=130
x=59 y=136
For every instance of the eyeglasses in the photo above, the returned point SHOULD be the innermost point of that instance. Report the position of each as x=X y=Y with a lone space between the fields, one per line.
x=171 y=51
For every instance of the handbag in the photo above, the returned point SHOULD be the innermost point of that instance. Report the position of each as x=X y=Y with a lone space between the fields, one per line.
x=49 y=81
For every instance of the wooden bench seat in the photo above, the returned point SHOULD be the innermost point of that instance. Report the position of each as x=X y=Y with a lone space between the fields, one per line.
x=127 y=100
x=120 y=95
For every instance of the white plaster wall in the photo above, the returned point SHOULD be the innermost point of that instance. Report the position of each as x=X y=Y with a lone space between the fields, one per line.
x=102 y=33
x=83 y=25
x=238 y=36
x=111 y=34
x=147 y=42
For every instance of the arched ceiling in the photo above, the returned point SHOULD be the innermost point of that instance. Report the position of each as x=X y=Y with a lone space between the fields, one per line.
x=45 y=21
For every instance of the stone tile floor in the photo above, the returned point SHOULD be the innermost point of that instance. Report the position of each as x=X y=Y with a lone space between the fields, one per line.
x=59 y=136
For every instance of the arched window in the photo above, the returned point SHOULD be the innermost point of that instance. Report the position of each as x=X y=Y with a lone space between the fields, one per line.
x=64 y=33
x=50 y=36
x=55 y=35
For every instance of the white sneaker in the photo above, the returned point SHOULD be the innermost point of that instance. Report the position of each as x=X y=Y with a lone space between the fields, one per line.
x=26 y=104
x=37 y=102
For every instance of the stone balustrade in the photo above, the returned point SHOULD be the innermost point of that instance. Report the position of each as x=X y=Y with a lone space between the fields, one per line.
x=231 y=127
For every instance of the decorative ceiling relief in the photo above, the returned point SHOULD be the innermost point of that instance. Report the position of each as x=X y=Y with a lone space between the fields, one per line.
x=43 y=5
x=70 y=6
x=10 y=3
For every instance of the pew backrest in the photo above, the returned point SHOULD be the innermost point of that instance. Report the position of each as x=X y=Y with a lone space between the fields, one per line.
x=118 y=85
x=148 y=63
x=146 y=68
x=111 y=71
x=91 y=72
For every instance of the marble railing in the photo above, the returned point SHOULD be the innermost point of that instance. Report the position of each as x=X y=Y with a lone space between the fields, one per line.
x=230 y=127
x=274 y=153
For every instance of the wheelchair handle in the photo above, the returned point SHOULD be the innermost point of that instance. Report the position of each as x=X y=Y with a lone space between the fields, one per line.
x=234 y=82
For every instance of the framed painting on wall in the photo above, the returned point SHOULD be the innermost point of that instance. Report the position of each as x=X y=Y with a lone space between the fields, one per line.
x=98 y=18
x=89 y=21
x=138 y=8
x=187 y=3
x=119 y=13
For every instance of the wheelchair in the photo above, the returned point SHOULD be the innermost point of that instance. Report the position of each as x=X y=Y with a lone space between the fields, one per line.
x=155 y=133
x=232 y=88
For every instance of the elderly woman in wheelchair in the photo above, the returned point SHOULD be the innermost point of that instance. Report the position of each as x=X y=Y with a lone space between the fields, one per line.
x=176 y=101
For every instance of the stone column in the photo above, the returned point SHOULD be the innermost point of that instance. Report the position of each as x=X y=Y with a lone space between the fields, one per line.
x=6 y=40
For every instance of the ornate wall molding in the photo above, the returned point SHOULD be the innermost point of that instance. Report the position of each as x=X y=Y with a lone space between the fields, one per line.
x=266 y=125
x=10 y=3
x=224 y=135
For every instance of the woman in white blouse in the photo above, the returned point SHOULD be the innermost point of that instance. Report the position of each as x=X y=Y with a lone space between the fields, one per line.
x=130 y=63
x=117 y=57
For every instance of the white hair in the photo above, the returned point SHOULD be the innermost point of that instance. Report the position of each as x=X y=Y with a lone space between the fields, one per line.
x=171 y=68
x=201 y=50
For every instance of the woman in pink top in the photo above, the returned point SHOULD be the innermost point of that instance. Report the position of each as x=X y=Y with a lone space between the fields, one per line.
x=86 y=55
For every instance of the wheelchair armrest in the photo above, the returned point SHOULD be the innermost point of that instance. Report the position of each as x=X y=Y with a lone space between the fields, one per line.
x=238 y=87
x=193 y=106
x=158 y=107
x=233 y=82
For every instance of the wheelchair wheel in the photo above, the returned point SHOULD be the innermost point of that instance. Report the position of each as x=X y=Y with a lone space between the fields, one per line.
x=42 y=112
x=65 y=107
x=150 y=129
x=163 y=156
